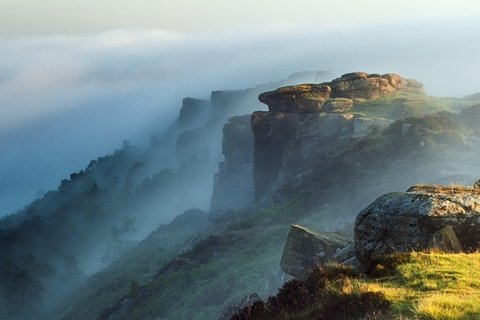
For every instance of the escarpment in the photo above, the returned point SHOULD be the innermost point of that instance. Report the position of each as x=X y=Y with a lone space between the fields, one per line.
x=306 y=117
x=233 y=183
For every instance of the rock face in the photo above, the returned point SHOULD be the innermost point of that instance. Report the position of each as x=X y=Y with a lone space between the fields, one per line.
x=233 y=184
x=445 y=218
x=194 y=113
x=307 y=117
x=282 y=140
x=306 y=250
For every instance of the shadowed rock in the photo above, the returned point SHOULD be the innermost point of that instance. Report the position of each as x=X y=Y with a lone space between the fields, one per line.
x=445 y=240
x=233 y=184
x=305 y=250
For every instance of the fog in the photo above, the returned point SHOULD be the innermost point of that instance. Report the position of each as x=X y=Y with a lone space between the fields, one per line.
x=65 y=100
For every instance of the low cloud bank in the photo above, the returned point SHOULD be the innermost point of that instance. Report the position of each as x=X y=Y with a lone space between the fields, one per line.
x=67 y=100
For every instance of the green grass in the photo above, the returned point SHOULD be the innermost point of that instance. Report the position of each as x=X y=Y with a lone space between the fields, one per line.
x=430 y=285
x=107 y=287
x=202 y=291
x=285 y=214
x=408 y=104
x=404 y=286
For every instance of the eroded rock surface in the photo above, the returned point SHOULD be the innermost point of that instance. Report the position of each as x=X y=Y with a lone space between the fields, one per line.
x=298 y=98
x=445 y=218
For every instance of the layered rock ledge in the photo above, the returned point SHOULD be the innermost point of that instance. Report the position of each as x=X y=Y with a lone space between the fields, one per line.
x=339 y=94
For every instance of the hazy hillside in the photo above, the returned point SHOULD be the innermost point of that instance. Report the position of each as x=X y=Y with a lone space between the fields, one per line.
x=181 y=271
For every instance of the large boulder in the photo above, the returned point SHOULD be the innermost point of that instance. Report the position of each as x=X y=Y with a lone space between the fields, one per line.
x=426 y=217
x=298 y=98
x=306 y=250
x=360 y=85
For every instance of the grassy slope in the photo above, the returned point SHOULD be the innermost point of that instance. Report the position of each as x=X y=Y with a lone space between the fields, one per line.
x=409 y=104
x=431 y=285
x=404 y=286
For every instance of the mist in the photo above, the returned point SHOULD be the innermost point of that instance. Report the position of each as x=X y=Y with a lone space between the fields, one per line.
x=65 y=100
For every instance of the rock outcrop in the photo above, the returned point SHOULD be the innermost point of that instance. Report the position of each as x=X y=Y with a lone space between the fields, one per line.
x=298 y=98
x=348 y=88
x=307 y=117
x=426 y=217
x=305 y=250
x=233 y=184
x=194 y=113
x=361 y=85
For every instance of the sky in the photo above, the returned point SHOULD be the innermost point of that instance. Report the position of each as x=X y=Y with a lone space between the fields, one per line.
x=33 y=17
x=79 y=77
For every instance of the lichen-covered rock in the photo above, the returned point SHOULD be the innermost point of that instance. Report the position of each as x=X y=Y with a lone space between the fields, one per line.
x=306 y=250
x=417 y=220
x=299 y=98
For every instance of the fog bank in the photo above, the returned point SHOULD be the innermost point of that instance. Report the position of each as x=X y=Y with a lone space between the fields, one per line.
x=65 y=100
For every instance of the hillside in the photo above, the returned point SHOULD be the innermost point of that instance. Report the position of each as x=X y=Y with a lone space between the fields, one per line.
x=318 y=156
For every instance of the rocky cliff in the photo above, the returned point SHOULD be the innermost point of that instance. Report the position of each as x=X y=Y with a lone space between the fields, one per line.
x=305 y=117
x=228 y=126
x=233 y=183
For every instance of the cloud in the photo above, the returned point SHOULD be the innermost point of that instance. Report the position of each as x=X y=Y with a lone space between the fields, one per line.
x=67 y=99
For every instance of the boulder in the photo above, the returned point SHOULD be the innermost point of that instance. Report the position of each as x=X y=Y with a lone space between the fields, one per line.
x=360 y=85
x=305 y=250
x=445 y=218
x=298 y=98
x=477 y=184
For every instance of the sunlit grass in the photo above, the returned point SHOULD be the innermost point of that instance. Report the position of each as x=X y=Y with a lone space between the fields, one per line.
x=430 y=285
